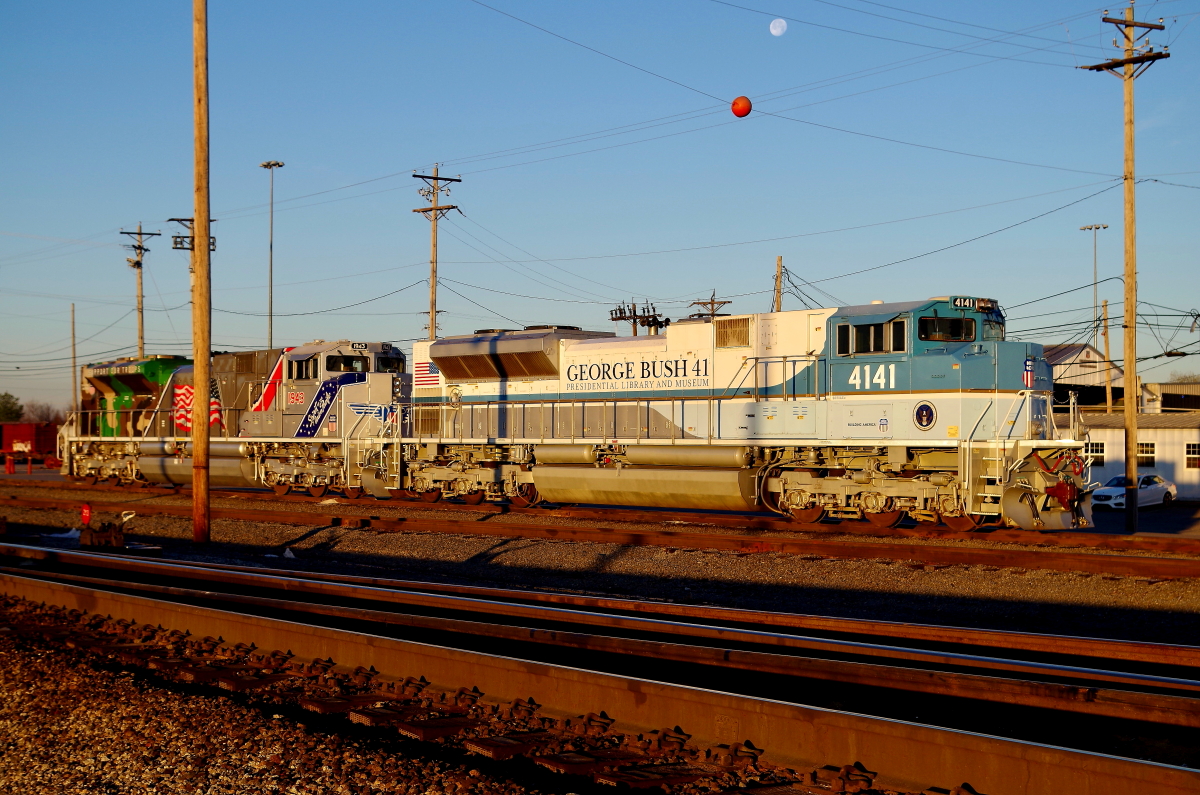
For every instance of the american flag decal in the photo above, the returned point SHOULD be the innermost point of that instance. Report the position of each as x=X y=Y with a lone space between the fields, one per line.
x=182 y=405
x=1027 y=375
x=426 y=374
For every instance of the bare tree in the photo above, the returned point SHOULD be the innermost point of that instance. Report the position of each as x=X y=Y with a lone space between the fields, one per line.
x=36 y=411
x=1184 y=378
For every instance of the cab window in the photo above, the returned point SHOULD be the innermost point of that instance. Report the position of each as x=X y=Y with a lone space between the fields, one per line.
x=347 y=364
x=871 y=338
x=302 y=370
x=389 y=364
x=993 y=329
x=868 y=338
x=946 y=329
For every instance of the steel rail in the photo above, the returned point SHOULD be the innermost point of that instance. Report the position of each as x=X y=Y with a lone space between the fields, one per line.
x=1095 y=563
x=1059 y=645
x=292 y=583
x=1064 y=645
x=909 y=756
x=1159 y=708
x=745 y=521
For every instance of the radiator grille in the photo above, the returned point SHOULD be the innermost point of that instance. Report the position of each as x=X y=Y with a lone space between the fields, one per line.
x=732 y=333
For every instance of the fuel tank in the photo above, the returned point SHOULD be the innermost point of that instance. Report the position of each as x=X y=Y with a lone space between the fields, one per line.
x=694 y=455
x=706 y=489
x=222 y=472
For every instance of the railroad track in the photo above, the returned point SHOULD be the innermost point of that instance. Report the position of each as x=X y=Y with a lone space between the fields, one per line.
x=735 y=676
x=741 y=521
x=748 y=541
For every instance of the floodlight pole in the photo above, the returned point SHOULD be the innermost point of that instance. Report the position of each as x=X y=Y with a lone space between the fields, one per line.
x=271 y=165
x=1095 y=229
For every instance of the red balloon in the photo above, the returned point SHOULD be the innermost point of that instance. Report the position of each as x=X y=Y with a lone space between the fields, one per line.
x=741 y=107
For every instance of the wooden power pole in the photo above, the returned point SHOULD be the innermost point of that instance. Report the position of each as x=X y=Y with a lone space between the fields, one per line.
x=201 y=285
x=779 y=284
x=1137 y=59
x=135 y=262
x=74 y=374
x=1107 y=363
x=433 y=212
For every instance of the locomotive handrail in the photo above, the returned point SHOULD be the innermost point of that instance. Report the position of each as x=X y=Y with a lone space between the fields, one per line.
x=756 y=360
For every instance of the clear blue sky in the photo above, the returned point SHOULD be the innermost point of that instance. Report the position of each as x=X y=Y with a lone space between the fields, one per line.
x=97 y=137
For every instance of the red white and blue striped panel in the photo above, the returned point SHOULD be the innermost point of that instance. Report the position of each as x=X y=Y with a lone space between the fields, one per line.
x=267 y=399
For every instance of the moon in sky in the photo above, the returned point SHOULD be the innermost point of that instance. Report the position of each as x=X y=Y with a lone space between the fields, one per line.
x=778 y=27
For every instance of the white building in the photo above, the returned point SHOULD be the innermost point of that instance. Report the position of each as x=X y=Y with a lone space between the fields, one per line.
x=1168 y=445
x=1081 y=365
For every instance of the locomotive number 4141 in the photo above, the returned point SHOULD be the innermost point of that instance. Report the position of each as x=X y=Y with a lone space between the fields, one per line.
x=884 y=377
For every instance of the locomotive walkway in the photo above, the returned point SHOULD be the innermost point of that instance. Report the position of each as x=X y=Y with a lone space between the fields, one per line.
x=742 y=683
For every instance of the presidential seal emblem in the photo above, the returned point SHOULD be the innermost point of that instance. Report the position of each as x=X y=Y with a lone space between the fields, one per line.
x=924 y=415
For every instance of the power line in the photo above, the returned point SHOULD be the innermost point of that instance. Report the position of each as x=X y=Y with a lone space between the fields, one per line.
x=969 y=240
x=1073 y=289
x=481 y=306
x=1173 y=184
x=821 y=232
x=968 y=24
x=598 y=52
x=537 y=258
x=321 y=311
x=643 y=125
x=875 y=36
x=561 y=285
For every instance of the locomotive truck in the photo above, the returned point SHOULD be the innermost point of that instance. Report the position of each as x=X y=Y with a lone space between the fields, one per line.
x=873 y=413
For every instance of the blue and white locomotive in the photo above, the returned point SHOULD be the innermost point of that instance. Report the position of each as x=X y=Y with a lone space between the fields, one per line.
x=864 y=412
x=873 y=413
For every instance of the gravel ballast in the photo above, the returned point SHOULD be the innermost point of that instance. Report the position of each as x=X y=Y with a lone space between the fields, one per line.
x=1054 y=602
x=68 y=727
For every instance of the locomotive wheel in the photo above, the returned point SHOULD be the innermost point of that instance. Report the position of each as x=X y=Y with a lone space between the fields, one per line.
x=770 y=501
x=90 y=481
x=353 y=492
x=433 y=495
x=961 y=524
x=473 y=497
x=318 y=491
x=808 y=515
x=281 y=488
x=526 y=497
x=885 y=518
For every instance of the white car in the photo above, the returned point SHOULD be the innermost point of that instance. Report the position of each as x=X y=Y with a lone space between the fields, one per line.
x=1152 y=490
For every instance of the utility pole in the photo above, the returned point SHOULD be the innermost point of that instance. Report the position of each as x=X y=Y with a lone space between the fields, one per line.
x=1132 y=65
x=1094 y=229
x=648 y=317
x=433 y=212
x=74 y=373
x=201 y=275
x=1107 y=365
x=712 y=305
x=779 y=284
x=139 y=251
x=271 y=165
